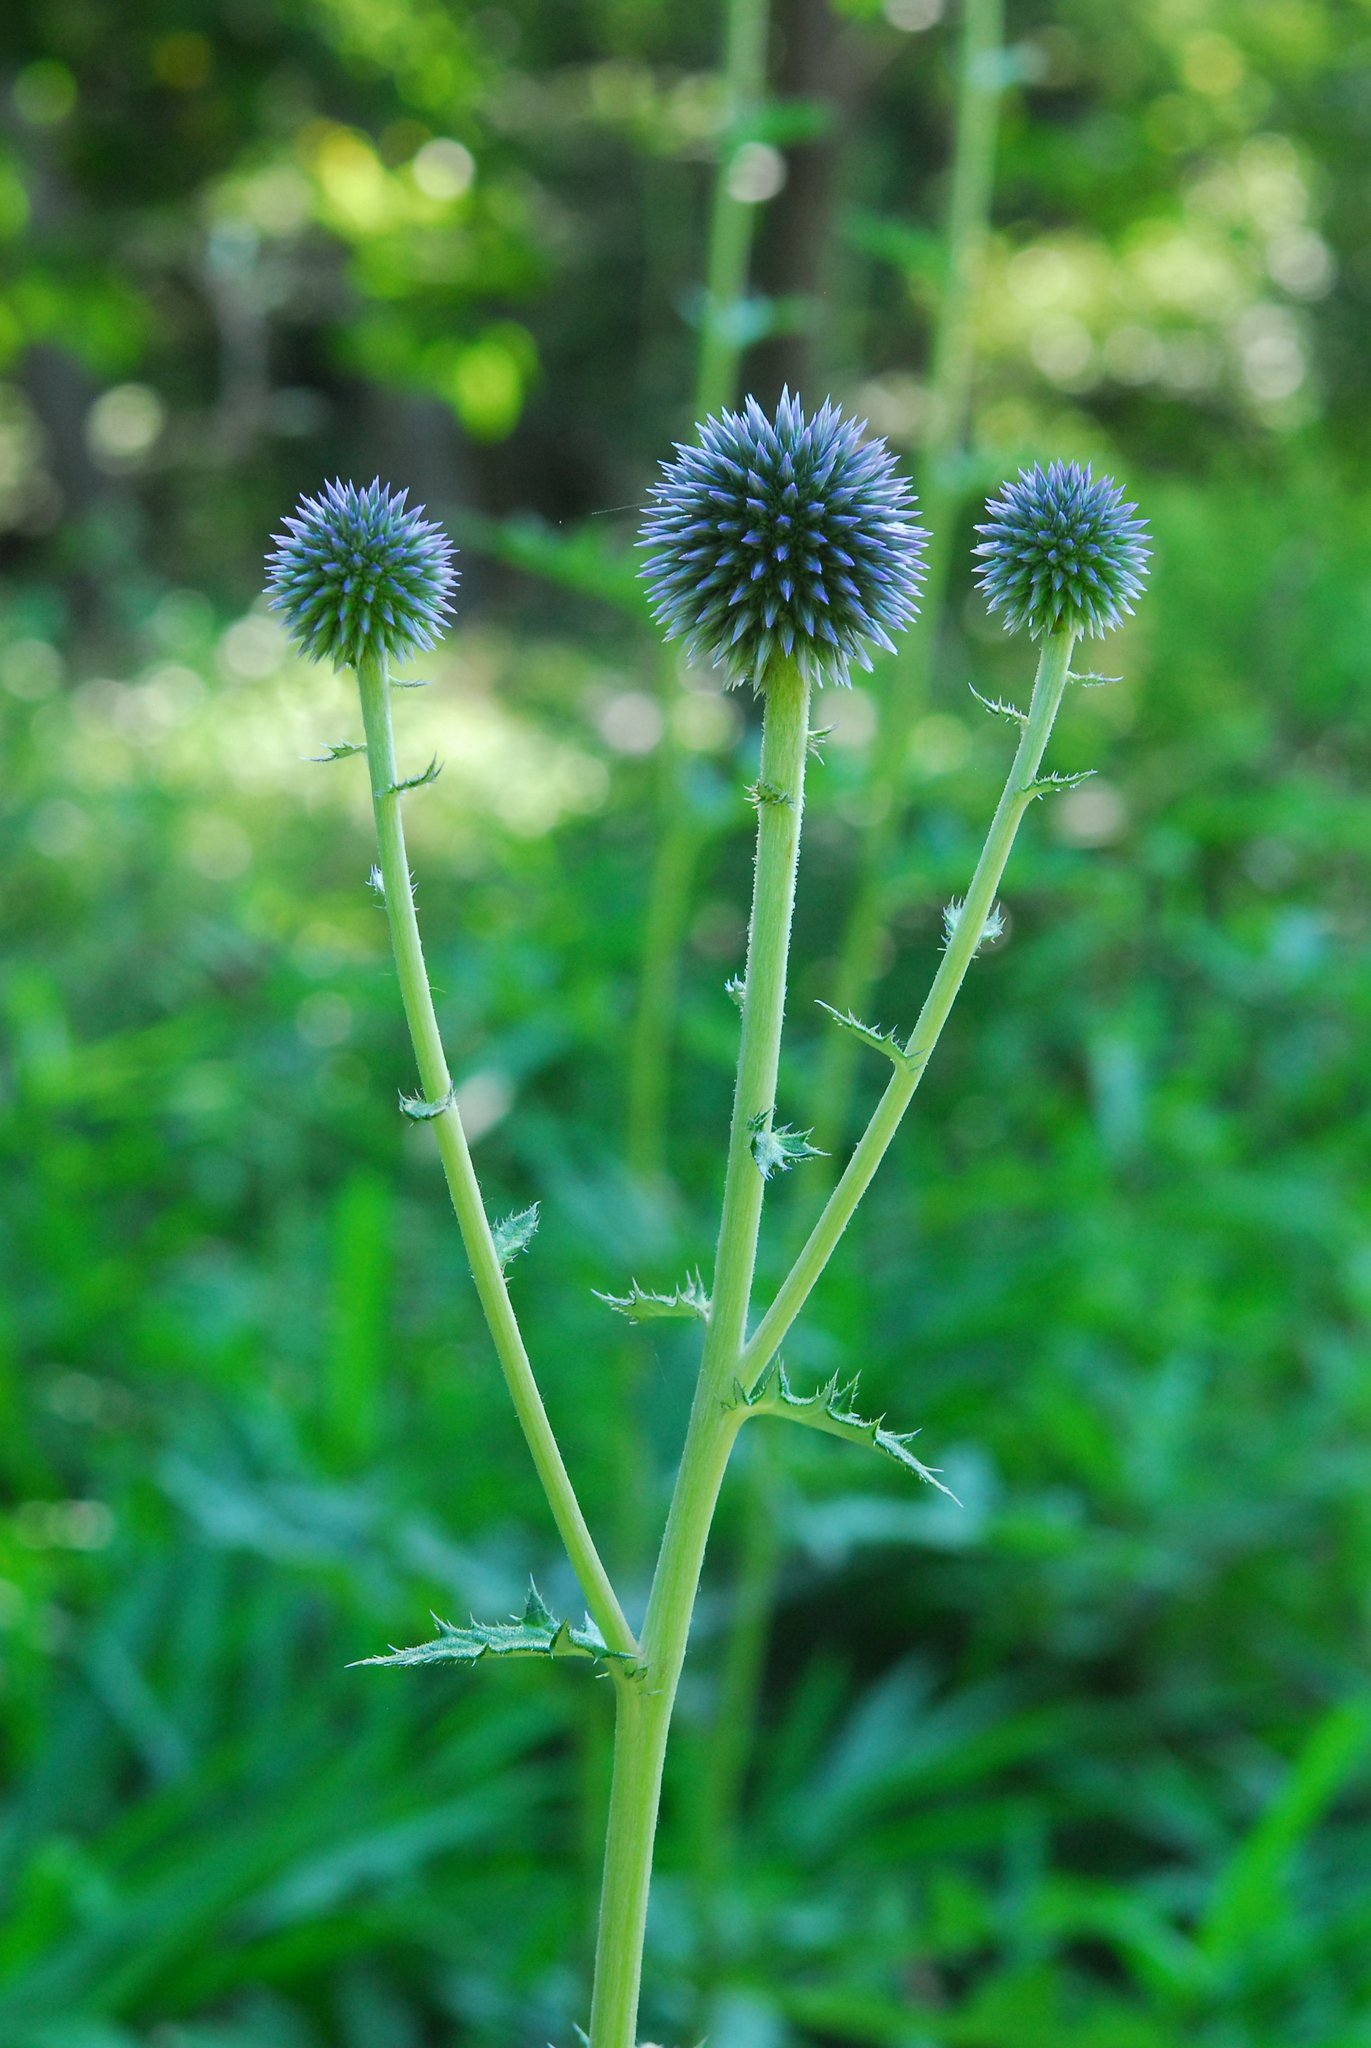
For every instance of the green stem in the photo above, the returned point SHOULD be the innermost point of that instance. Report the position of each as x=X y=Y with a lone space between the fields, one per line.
x=436 y=1082
x=726 y=1746
x=941 y=484
x=1019 y=792
x=645 y=1712
x=731 y=221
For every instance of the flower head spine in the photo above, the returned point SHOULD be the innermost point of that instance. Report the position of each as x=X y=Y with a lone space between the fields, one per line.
x=357 y=575
x=1062 y=552
x=785 y=538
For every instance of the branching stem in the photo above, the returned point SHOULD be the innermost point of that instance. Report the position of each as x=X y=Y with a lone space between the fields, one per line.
x=436 y=1082
x=1019 y=792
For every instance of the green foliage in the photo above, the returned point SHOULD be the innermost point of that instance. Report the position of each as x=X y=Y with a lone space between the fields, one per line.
x=830 y=1409
x=776 y=1147
x=514 y=1233
x=420 y=781
x=887 y=1042
x=340 y=750
x=535 y=1632
x=640 y=1305
x=421 y=1112
x=1078 y=1763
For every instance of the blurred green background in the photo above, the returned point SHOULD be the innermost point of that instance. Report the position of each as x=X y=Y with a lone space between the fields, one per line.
x=1085 y=1762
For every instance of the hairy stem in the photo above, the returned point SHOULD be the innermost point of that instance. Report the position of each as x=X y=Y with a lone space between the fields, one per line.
x=941 y=483
x=1018 y=794
x=436 y=1082
x=645 y=1712
x=727 y=1744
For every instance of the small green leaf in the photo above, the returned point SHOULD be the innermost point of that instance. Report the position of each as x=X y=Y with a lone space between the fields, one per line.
x=514 y=1234
x=992 y=929
x=776 y=1147
x=377 y=881
x=430 y=774
x=815 y=739
x=829 y=1410
x=887 y=1042
x=640 y=1305
x=999 y=708
x=735 y=988
x=421 y=1112
x=339 y=751
x=1091 y=681
x=760 y=793
x=1053 y=784
x=534 y=1633
x=412 y=683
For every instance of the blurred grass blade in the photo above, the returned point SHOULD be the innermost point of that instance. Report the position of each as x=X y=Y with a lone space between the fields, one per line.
x=1250 y=1898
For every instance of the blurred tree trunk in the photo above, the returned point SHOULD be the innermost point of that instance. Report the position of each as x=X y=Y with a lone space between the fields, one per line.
x=817 y=58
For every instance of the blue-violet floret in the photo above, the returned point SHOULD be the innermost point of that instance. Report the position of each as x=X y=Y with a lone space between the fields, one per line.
x=358 y=575
x=780 y=538
x=1062 y=552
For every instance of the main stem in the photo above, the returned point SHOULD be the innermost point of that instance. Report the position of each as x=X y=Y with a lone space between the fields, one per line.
x=1054 y=665
x=436 y=1082
x=644 y=1717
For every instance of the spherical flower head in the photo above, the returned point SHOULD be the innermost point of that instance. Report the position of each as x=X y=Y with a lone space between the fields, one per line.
x=359 y=576
x=790 y=537
x=1061 y=552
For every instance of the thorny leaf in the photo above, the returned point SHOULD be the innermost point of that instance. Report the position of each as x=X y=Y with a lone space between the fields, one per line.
x=776 y=1147
x=829 y=1410
x=534 y=1633
x=421 y=1112
x=999 y=707
x=514 y=1234
x=640 y=1305
x=887 y=1042
x=1053 y=784
x=992 y=928
x=430 y=774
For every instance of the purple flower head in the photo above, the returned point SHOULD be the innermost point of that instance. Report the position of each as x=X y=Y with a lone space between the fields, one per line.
x=780 y=538
x=1061 y=552
x=358 y=576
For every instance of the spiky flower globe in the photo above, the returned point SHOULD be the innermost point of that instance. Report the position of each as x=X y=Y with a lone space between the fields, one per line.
x=1062 y=552
x=785 y=537
x=357 y=575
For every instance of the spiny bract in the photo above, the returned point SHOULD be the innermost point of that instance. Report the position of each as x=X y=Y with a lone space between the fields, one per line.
x=785 y=537
x=1061 y=552
x=358 y=576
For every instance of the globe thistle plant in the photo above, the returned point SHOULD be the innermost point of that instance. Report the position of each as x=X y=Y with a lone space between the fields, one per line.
x=1062 y=552
x=784 y=549
x=790 y=537
x=357 y=575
